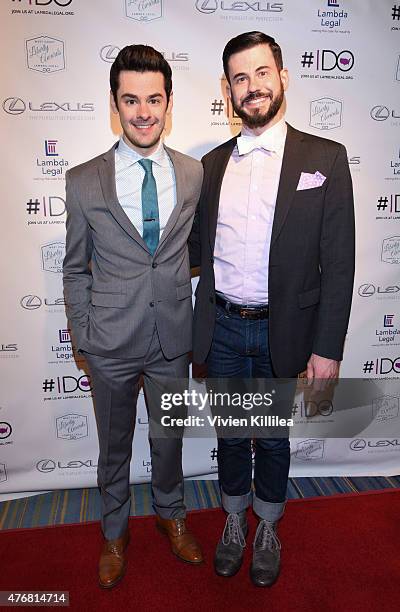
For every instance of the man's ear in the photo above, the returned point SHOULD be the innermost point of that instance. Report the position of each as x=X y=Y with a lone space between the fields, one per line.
x=284 y=74
x=113 y=105
x=170 y=103
x=228 y=91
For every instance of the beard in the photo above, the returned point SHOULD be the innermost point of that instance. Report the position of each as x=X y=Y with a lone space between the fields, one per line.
x=257 y=118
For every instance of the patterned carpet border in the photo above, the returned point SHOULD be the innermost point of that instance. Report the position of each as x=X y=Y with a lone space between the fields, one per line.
x=82 y=505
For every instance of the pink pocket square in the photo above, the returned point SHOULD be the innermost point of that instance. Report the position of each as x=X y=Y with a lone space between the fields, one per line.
x=310 y=181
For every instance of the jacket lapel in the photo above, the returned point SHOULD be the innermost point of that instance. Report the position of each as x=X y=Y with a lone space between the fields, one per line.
x=292 y=164
x=179 y=182
x=107 y=179
x=217 y=174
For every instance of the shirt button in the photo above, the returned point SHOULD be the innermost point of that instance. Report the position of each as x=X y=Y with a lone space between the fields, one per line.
x=154 y=265
x=151 y=304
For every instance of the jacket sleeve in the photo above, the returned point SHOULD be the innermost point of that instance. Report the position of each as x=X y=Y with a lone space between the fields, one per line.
x=337 y=261
x=77 y=277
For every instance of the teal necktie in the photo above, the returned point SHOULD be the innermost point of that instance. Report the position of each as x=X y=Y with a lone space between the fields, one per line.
x=151 y=220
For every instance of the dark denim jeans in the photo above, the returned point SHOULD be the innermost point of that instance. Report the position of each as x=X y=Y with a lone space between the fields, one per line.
x=240 y=349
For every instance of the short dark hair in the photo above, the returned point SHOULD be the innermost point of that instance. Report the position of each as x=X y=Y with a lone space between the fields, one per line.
x=141 y=58
x=247 y=40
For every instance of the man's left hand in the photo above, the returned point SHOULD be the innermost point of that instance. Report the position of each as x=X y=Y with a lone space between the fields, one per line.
x=320 y=368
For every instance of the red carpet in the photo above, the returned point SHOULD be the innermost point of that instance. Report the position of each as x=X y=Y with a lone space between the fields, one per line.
x=339 y=554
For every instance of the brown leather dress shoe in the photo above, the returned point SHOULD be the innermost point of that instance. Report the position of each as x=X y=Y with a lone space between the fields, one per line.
x=112 y=564
x=183 y=543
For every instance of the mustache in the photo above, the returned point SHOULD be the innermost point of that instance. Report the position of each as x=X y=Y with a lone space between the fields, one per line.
x=257 y=94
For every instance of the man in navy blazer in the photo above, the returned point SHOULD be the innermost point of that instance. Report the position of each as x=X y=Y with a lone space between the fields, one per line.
x=274 y=236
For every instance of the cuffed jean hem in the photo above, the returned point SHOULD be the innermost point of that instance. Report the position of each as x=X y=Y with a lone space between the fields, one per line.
x=269 y=511
x=235 y=503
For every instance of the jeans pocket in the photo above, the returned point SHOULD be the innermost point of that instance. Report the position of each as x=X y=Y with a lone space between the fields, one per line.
x=220 y=313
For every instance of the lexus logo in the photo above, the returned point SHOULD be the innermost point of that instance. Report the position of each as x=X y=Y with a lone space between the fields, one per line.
x=207 y=6
x=46 y=465
x=366 y=290
x=14 y=106
x=380 y=113
x=108 y=53
x=31 y=302
x=358 y=444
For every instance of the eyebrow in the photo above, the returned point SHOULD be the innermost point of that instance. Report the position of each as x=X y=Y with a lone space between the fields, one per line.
x=131 y=95
x=239 y=74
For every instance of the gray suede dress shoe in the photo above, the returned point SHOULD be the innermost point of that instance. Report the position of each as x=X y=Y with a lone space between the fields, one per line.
x=266 y=562
x=229 y=553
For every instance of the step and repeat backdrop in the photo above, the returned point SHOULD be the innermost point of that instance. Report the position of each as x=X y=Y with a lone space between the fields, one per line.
x=344 y=62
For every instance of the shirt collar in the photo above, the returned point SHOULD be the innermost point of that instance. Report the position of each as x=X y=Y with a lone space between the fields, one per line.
x=129 y=157
x=275 y=135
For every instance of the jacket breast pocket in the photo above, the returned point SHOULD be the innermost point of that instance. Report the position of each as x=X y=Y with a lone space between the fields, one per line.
x=312 y=192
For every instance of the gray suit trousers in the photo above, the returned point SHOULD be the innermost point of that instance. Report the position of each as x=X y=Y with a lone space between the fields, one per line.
x=115 y=388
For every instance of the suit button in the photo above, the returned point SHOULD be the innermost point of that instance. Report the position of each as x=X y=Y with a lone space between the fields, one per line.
x=212 y=259
x=151 y=304
x=211 y=299
x=154 y=265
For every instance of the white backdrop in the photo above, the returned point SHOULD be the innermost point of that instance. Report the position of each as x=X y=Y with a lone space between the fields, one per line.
x=344 y=62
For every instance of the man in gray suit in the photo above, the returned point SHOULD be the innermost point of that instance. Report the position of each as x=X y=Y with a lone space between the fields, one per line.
x=128 y=293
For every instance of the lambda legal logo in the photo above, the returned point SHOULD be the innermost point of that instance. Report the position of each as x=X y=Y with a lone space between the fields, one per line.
x=64 y=335
x=332 y=17
x=388 y=320
x=50 y=148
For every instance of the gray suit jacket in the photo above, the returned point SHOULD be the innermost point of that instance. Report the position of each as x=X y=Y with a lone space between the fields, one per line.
x=115 y=291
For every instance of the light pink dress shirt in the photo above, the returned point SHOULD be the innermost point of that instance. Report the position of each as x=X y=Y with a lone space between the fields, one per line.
x=245 y=217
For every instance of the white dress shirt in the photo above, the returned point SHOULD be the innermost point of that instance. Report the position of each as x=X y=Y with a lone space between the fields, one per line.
x=129 y=177
x=245 y=217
